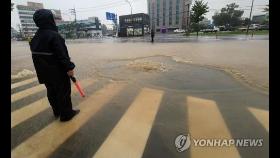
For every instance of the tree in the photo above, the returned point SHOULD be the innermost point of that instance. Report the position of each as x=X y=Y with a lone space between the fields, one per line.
x=246 y=21
x=199 y=9
x=229 y=16
x=266 y=9
x=12 y=6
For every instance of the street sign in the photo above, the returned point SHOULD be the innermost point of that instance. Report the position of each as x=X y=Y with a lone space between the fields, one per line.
x=110 y=16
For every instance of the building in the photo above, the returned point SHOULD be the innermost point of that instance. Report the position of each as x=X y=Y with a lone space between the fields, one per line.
x=90 y=27
x=259 y=19
x=168 y=15
x=14 y=33
x=26 y=12
x=134 y=25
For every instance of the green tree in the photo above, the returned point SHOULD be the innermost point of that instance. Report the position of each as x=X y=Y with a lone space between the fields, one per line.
x=266 y=9
x=245 y=22
x=229 y=16
x=199 y=9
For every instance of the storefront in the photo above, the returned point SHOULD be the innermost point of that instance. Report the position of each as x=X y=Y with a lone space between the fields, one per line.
x=134 y=25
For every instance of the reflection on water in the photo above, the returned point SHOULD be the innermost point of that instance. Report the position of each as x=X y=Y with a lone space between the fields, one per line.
x=169 y=38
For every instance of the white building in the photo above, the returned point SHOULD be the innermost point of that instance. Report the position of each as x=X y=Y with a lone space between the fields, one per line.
x=25 y=13
x=168 y=15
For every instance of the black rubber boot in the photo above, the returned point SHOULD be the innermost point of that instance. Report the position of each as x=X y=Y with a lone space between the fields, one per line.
x=69 y=117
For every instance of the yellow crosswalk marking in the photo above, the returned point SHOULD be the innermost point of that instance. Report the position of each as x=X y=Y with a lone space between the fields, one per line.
x=262 y=116
x=22 y=94
x=129 y=137
x=206 y=122
x=18 y=84
x=44 y=142
x=31 y=110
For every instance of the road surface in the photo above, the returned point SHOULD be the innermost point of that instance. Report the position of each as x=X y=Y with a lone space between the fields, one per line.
x=136 y=106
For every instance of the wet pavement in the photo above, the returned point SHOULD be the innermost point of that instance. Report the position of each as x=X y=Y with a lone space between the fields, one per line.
x=136 y=107
x=171 y=38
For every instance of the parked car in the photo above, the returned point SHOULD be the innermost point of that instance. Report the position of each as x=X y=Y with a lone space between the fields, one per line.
x=264 y=27
x=179 y=31
x=254 y=26
x=209 y=30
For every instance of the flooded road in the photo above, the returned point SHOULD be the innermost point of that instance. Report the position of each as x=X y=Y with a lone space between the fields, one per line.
x=141 y=96
x=246 y=60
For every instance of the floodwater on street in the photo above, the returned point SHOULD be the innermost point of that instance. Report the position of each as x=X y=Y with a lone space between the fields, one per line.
x=141 y=97
x=246 y=60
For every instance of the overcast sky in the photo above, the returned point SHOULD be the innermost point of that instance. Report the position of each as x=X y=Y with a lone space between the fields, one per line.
x=88 y=8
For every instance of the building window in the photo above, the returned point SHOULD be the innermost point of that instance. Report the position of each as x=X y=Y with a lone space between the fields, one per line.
x=177 y=11
x=25 y=17
x=149 y=6
x=170 y=12
x=153 y=15
x=188 y=14
x=163 y=12
x=158 y=10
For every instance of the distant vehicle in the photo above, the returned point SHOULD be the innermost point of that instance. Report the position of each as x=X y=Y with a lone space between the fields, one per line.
x=179 y=31
x=264 y=27
x=216 y=28
x=242 y=28
x=225 y=28
x=254 y=27
x=210 y=30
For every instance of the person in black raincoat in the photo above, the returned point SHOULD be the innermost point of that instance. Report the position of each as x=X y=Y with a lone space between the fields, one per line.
x=152 y=35
x=52 y=64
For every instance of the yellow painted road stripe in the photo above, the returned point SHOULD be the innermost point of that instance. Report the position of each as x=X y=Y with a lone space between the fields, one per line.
x=206 y=122
x=44 y=142
x=31 y=110
x=18 y=84
x=129 y=137
x=22 y=94
x=262 y=116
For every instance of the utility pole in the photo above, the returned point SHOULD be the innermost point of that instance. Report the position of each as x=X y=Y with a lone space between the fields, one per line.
x=116 y=24
x=130 y=13
x=73 y=12
x=249 y=23
x=130 y=6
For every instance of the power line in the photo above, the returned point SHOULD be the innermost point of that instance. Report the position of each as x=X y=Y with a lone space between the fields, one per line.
x=109 y=3
x=73 y=12
x=104 y=7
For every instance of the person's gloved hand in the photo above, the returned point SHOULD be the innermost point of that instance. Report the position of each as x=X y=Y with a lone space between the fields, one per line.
x=70 y=73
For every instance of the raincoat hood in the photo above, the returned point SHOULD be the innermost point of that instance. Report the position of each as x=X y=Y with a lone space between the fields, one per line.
x=44 y=19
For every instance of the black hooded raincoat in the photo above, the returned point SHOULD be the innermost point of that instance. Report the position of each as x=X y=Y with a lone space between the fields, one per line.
x=49 y=52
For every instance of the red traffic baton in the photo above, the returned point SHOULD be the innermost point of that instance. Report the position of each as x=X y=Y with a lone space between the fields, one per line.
x=82 y=93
